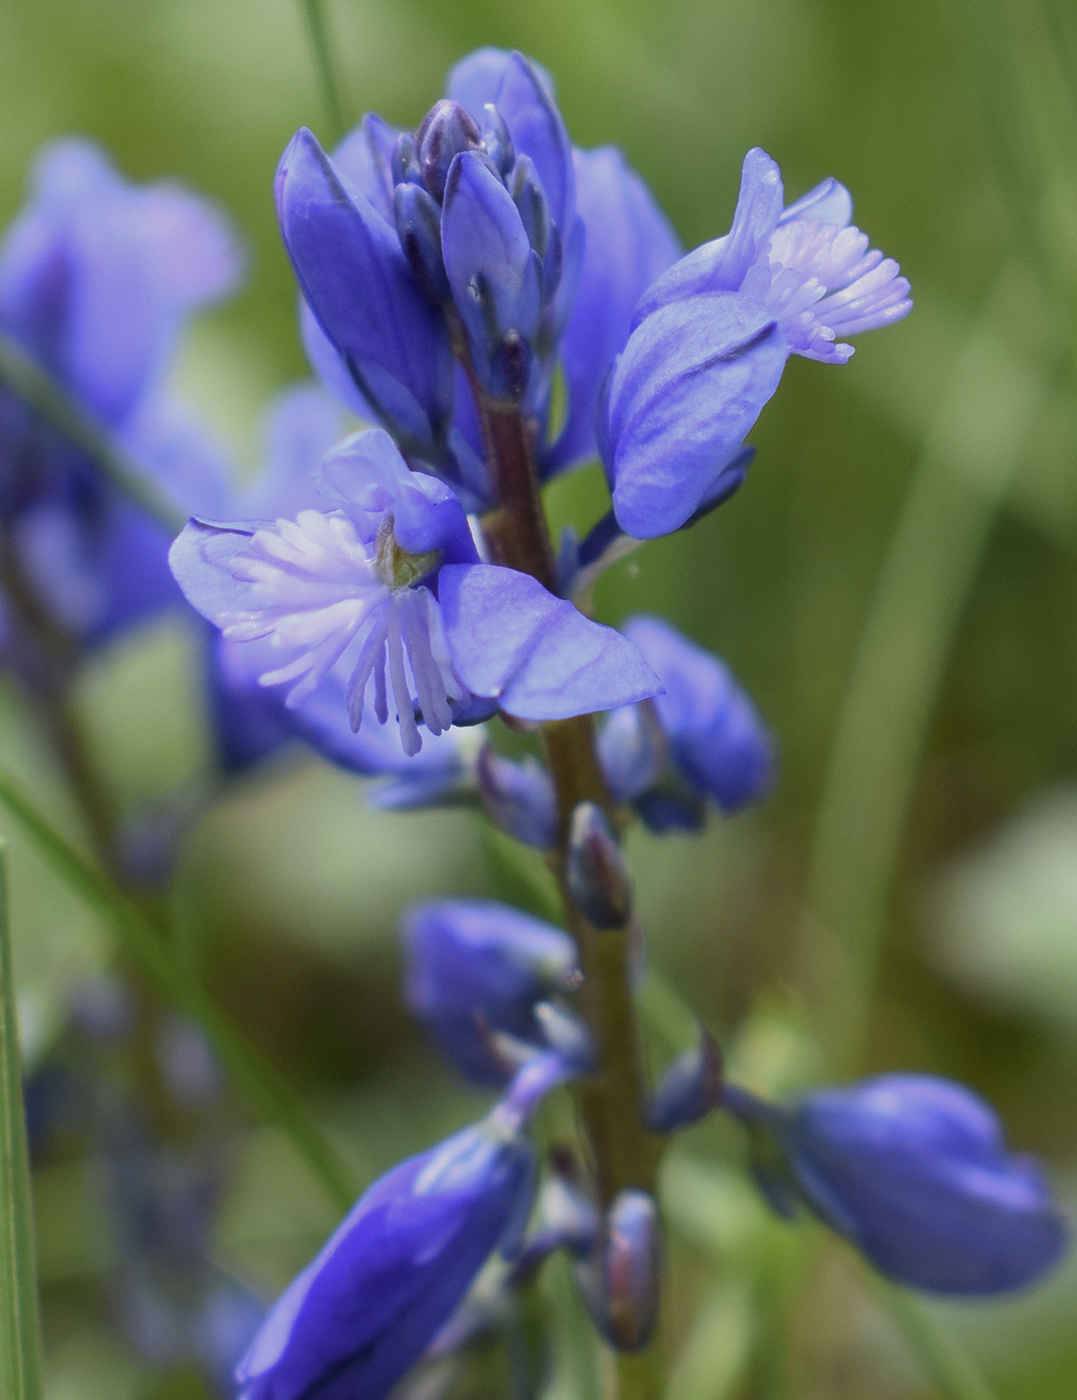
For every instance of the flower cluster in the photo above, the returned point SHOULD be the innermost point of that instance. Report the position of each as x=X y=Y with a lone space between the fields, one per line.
x=501 y=307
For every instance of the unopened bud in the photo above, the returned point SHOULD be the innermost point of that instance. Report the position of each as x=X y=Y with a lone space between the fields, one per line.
x=518 y=798
x=418 y=226
x=496 y=141
x=596 y=870
x=405 y=163
x=446 y=130
x=621 y=1280
x=689 y=1089
x=566 y=1034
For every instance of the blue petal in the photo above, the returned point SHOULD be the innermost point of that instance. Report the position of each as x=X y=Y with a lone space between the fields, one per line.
x=365 y=1310
x=355 y=278
x=494 y=274
x=829 y=202
x=476 y=79
x=365 y=157
x=367 y=477
x=537 y=655
x=537 y=131
x=201 y=560
x=693 y=378
x=721 y=265
x=629 y=242
x=250 y=721
x=475 y=967
x=329 y=365
x=717 y=739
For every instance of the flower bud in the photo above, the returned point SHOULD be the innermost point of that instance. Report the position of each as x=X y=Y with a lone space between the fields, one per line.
x=914 y=1172
x=596 y=870
x=518 y=798
x=475 y=968
x=445 y=131
x=496 y=141
x=621 y=1279
x=689 y=1089
x=418 y=226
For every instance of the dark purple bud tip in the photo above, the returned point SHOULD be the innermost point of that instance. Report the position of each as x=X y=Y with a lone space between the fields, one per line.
x=445 y=131
x=689 y=1089
x=596 y=871
x=621 y=1280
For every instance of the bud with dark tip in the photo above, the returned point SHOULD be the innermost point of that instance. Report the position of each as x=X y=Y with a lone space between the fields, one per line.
x=446 y=130
x=596 y=870
x=621 y=1279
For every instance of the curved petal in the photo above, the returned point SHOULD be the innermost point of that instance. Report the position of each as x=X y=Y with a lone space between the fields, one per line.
x=358 y=284
x=537 y=655
x=629 y=242
x=688 y=388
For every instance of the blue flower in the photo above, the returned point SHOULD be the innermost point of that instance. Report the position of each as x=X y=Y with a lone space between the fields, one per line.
x=712 y=334
x=388 y=588
x=474 y=968
x=369 y=1305
x=483 y=231
x=718 y=747
x=97 y=277
x=914 y=1171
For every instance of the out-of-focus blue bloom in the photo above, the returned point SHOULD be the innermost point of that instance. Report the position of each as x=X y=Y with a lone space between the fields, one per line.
x=475 y=968
x=711 y=336
x=914 y=1171
x=389 y=588
x=518 y=798
x=369 y=1305
x=97 y=277
x=719 y=748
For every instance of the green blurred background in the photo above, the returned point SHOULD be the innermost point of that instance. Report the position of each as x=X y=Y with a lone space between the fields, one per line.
x=896 y=585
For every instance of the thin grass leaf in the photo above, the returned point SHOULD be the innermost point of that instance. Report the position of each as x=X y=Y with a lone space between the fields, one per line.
x=20 y=1348
x=36 y=387
x=923 y=588
x=322 y=45
x=143 y=944
x=948 y=1365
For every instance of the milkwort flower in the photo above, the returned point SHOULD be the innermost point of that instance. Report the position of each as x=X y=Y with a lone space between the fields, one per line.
x=372 y=1301
x=711 y=336
x=97 y=277
x=389 y=588
x=913 y=1170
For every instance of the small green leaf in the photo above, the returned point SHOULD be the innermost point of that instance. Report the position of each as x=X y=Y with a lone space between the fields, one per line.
x=20 y=1351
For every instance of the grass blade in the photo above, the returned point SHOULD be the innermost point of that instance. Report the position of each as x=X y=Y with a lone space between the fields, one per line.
x=36 y=387
x=944 y=1360
x=321 y=43
x=143 y=944
x=20 y=1353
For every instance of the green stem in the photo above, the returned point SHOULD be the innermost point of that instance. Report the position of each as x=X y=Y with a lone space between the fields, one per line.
x=20 y=1345
x=320 y=42
x=924 y=585
x=148 y=951
x=612 y=1099
x=36 y=387
x=943 y=1359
